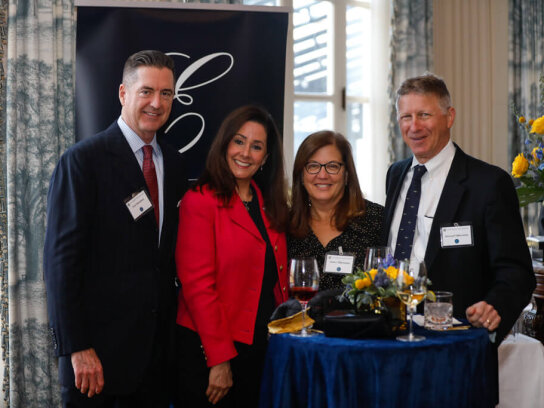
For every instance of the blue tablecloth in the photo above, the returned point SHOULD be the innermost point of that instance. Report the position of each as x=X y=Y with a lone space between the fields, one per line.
x=448 y=369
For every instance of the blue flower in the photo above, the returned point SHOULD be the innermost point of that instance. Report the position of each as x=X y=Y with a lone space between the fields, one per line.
x=381 y=280
x=388 y=261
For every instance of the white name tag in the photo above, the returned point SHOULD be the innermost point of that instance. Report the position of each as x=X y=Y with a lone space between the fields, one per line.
x=139 y=204
x=338 y=263
x=456 y=236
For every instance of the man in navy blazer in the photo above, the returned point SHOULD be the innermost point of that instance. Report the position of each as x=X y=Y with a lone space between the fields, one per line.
x=468 y=229
x=109 y=249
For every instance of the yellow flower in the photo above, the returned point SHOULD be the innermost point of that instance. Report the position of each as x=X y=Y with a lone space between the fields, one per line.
x=531 y=121
x=362 y=283
x=535 y=160
x=538 y=126
x=408 y=280
x=373 y=273
x=521 y=119
x=519 y=166
x=392 y=272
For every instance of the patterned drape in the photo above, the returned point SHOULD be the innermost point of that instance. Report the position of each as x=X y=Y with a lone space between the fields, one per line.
x=36 y=126
x=39 y=126
x=4 y=366
x=526 y=65
x=411 y=55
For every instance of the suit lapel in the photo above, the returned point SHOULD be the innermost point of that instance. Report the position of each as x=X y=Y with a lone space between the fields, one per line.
x=123 y=160
x=240 y=215
x=126 y=167
x=450 y=199
x=273 y=235
x=393 y=190
x=169 y=189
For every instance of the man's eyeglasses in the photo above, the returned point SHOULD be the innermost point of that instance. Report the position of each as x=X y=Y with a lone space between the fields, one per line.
x=332 y=167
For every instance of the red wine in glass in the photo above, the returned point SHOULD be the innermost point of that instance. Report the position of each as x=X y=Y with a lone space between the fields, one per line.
x=303 y=294
x=303 y=284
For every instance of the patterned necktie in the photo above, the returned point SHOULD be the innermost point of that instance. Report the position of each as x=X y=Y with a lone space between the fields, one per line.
x=408 y=222
x=151 y=178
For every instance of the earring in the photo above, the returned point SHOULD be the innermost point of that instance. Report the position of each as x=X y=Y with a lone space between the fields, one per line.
x=309 y=203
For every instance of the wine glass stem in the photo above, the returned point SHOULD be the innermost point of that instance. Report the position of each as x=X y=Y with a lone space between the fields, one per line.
x=304 y=306
x=411 y=310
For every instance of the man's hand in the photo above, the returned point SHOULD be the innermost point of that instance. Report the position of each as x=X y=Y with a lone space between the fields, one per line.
x=482 y=314
x=88 y=372
x=220 y=381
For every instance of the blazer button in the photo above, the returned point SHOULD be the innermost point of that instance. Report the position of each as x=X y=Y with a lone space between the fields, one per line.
x=281 y=267
x=276 y=248
x=284 y=288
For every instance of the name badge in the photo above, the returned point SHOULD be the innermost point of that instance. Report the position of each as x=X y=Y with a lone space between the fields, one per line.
x=336 y=263
x=139 y=204
x=456 y=236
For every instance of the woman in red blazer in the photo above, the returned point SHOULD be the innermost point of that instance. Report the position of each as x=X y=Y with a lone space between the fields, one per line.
x=231 y=260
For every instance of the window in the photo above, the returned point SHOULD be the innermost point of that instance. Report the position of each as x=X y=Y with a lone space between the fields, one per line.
x=332 y=79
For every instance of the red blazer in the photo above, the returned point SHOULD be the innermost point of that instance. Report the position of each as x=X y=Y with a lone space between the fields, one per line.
x=220 y=263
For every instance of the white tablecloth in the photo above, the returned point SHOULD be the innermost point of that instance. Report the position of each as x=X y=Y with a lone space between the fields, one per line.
x=521 y=372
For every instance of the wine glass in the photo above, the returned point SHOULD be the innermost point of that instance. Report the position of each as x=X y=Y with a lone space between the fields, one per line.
x=303 y=284
x=411 y=289
x=374 y=256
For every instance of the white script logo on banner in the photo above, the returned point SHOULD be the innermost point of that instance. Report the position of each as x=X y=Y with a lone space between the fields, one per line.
x=185 y=98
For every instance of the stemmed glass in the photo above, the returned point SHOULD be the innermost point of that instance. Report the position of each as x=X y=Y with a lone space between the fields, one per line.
x=411 y=289
x=303 y=284
x=374 y=256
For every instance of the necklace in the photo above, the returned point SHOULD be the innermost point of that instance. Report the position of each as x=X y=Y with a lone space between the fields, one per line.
x=246 y=203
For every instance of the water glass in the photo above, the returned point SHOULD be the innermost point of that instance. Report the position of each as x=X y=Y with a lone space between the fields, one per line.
x=439 y=311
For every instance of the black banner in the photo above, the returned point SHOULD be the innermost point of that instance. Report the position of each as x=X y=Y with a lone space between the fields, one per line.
x=224 y=59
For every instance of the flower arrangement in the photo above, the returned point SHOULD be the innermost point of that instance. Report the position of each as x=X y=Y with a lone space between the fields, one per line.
x=528 y=166
x=365 y=289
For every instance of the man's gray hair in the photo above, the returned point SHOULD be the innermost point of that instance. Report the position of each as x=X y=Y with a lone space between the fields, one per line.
x=428 y=83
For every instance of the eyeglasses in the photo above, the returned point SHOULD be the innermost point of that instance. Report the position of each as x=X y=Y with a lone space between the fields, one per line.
x=332 y=167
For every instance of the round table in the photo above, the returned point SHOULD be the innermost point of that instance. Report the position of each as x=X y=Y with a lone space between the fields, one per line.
x=449 y=369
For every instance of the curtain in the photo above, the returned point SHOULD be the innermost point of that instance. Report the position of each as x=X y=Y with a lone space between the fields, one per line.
x=39 y=126
x=525 y=67
x=411 y=55
x=4 y=366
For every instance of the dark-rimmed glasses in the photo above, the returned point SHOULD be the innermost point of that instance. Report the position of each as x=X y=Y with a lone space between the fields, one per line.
x=332 y=167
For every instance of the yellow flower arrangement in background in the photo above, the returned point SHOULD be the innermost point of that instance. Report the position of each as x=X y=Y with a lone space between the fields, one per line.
x=528 y=166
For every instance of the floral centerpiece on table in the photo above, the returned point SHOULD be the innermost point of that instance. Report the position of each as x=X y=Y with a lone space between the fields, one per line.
x=367 y=290
x=528 y=166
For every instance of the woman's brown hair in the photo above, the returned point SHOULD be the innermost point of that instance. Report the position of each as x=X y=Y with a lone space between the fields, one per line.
x=351 y=204
x=271 y=179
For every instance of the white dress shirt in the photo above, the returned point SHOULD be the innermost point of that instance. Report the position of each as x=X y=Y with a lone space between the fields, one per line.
x=432 y=184
x=136 y=144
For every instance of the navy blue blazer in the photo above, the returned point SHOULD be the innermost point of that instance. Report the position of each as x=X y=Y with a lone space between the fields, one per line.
x=109 y=284
x=498 y=267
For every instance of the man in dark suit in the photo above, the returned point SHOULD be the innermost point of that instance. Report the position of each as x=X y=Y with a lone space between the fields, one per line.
x=468 y=228
x=109 y=249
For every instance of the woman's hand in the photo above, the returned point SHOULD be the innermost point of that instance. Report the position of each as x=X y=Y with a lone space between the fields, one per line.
x=219 y=382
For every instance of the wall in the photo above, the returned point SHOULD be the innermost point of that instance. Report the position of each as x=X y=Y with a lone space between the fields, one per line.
x=471 y=54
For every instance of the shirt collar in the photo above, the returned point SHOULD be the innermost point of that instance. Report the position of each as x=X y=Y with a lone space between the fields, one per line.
x=134 y=141
x=441 y=159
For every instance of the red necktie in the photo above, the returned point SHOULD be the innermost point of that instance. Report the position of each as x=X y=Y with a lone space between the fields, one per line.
x=151 y=178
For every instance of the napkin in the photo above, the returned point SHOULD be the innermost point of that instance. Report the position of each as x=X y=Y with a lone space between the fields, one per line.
x=420 y=320
x=289 y=324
